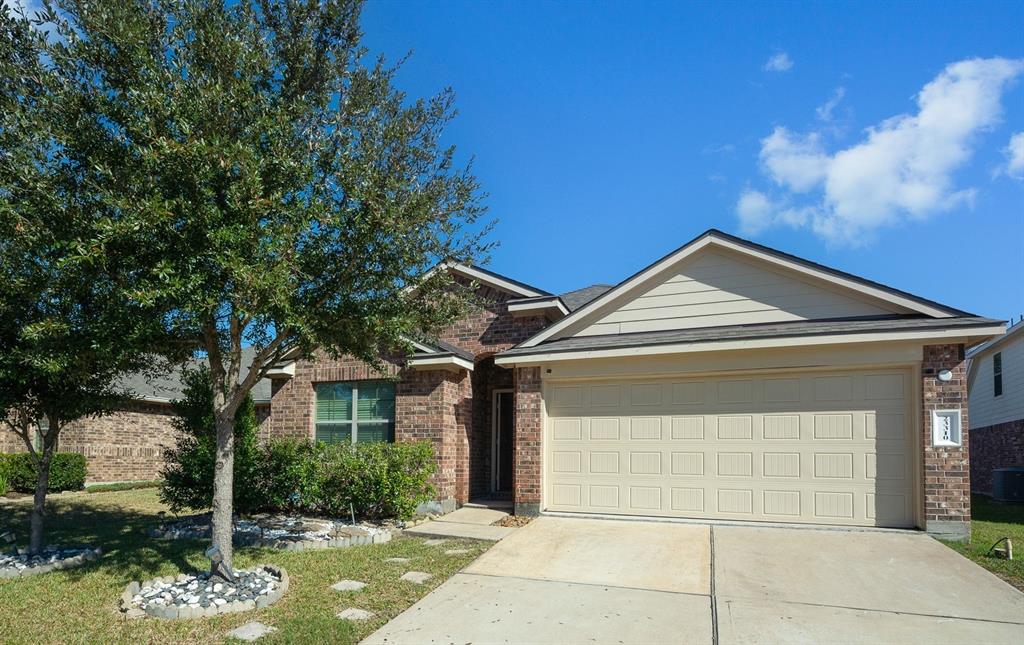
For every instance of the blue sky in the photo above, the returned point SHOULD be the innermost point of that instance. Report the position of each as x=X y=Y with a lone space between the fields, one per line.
x=874 y=138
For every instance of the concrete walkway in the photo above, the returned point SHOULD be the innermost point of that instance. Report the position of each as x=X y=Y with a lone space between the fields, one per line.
x=562 y=580
x=472 y=522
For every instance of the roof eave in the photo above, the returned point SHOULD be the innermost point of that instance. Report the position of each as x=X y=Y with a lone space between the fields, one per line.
x=954 y=333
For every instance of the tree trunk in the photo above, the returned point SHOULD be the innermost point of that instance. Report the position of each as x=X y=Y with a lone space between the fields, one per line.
x=35 y=539
x=223 y=487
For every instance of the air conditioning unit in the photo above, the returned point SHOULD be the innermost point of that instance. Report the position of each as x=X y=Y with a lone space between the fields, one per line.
x=1008 y=484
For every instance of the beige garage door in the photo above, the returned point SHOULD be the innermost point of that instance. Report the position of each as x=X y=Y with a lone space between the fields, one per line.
x=831 y=448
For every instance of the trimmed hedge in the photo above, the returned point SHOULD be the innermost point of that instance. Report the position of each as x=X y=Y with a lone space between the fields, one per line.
x=67 y=472
x=375 y=480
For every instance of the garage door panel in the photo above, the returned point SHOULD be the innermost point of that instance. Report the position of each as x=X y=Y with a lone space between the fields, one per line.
x=773 y=451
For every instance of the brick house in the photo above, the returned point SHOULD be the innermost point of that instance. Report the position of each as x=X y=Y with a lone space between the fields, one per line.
x=726 y=380
x=995 y=381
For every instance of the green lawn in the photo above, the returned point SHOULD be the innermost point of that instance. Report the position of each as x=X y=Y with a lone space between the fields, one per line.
x=80 y=605
x=991 y=521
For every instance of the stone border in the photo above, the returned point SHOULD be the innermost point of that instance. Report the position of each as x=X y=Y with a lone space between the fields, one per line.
x=176 y=612
x=88 y=554
x=277 y=543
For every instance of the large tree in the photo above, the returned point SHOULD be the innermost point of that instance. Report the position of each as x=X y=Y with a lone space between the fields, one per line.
x=68 y=333
x=276 y=189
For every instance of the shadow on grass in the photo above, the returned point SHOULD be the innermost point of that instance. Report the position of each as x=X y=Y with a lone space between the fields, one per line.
x=128 y=552
x=986 y=509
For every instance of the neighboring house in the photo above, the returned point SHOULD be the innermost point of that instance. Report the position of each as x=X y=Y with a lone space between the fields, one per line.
x=129 y=444
x=725 y=381
x=995 y=379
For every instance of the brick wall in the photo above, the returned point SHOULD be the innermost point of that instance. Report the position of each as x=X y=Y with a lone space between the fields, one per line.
x=528 y=441
x=431 y=406
x=947 y=487
x=452 y=410
x=995 y=446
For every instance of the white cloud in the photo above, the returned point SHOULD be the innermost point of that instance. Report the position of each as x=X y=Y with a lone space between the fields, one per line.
x=824 y=112
x=780 y=62
x=1015 y=156
x=794 y=161
x=902 y=169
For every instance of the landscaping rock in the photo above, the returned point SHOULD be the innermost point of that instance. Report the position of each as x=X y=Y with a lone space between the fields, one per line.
x=251 y=631
x=434 y=541
x=456 y=551
x=348 y=585
x=194 y=596
x=353 y=613
x=398 y=560
x=417 y=577
x=290 y=533
x=18 y=564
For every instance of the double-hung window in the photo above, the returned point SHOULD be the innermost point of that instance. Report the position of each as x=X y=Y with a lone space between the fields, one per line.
x=355 y=412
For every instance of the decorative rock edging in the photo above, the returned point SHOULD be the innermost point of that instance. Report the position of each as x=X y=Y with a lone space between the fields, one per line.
x=82 y=555
x=344 y=536
x=175 y=611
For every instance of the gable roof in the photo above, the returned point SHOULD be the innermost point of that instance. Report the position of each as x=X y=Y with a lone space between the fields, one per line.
x=496 y=280
x=785 y=261
x=1013 y=332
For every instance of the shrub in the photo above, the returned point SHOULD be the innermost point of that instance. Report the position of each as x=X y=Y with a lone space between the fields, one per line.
x=377 y=480
x=287 y=478
x=188 y=467
x=67 y=472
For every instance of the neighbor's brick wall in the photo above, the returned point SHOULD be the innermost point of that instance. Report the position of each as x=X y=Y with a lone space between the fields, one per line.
x=123 y=446
x=947 y=487
x=996 y=446
x=528 y=440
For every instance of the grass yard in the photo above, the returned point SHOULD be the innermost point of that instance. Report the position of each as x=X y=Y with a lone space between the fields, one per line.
x=80 y=605
x=991 y=521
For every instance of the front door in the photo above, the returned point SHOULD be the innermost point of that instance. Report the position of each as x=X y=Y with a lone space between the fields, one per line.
x=504 y=429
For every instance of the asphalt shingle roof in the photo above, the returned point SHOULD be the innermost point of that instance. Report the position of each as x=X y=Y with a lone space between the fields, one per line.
x=168 y=387
x=575 y=299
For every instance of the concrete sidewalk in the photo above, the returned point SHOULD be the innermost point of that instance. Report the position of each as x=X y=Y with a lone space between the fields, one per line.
x=562 y=580
x=473 y=522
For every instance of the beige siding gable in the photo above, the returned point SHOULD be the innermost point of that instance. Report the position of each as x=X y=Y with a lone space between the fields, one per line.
x=719 y=288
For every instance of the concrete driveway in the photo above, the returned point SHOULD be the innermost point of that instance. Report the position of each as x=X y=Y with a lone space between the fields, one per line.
x=561 y=580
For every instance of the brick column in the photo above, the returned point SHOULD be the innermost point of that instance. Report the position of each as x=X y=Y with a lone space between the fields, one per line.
x=528 y=455
x=427 y=405
x=947 y=484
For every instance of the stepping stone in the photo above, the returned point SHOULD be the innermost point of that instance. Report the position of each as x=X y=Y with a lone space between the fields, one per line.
x=398 y=560
x=355 y=614
x=251 y=631
x=456 y=551
x=434 y=541
x=348 y=585
x=417 y=577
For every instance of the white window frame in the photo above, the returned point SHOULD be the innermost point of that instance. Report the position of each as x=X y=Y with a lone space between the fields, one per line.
x=353 y=421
